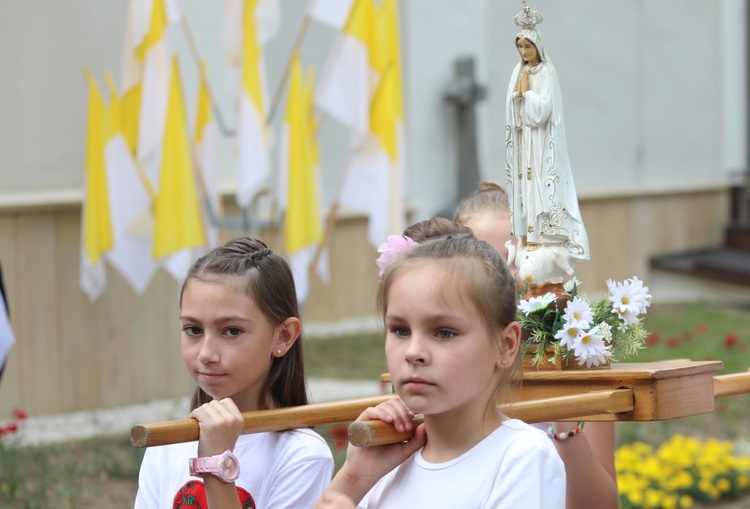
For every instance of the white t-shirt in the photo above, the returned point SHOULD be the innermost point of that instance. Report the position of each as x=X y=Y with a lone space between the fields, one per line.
x=515 y=467
x=277 y=470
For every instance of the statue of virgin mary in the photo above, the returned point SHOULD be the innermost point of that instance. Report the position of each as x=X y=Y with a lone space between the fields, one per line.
x=544 y=209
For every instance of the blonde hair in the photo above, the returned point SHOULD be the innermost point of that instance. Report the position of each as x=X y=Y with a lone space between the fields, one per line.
x=488 y=197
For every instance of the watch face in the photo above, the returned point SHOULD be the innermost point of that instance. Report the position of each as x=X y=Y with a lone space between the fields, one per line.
x=229 y=467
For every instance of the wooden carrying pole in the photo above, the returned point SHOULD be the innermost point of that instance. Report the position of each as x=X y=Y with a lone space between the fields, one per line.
x=377 y=432
x=279 y=419
x=649 y=391
x=371 y=433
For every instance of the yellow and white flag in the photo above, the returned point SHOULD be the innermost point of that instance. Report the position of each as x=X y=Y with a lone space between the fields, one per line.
x=178 y=228
x=153 y=52
x=374 y=180
x=260 y=24
x=136 y=27
x=207 y=161
x=333 y=13
x=129 y=199
x=298 y=184
x=96 y=227
x=348 y=78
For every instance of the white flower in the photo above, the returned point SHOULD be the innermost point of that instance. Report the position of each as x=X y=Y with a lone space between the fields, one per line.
x=569 y=336
x=578 y=313
x=571 y=284
x=535 y=304
x=642 y=296
x=629 y=299
x=591 y=349
x=604 y=330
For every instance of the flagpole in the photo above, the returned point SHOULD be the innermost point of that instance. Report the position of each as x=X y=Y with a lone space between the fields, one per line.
x=285 y=76
x=201 y=69
x=331 y=216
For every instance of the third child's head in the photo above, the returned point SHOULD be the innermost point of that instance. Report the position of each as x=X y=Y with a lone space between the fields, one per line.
x=487 y=213
x=240 y=328
x=449 y=307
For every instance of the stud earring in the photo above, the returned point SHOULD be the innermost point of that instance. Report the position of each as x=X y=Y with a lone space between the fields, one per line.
x=503 y=361
x=278 y=352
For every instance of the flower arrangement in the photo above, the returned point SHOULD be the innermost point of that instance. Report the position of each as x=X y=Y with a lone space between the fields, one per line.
x=589 y=332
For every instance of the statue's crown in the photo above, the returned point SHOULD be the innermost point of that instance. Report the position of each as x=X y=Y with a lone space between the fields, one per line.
x=528 y=17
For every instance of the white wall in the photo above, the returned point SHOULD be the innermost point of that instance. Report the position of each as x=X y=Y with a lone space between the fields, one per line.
x=654 y=92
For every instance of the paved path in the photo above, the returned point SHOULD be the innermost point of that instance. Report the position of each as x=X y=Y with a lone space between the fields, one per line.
x=87 y=424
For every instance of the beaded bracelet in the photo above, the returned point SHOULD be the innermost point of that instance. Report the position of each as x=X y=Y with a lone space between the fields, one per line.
x=564 y=436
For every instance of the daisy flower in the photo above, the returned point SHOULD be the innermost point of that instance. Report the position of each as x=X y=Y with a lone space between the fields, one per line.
x=536 y=304
x=569 y=336
x=591 y=349
x=571 y=284
x=628 y=300
x=578 y=313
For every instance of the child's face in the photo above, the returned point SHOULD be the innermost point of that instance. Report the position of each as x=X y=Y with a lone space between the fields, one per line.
x=440 y=356
x=227 y=342
x=492 y=228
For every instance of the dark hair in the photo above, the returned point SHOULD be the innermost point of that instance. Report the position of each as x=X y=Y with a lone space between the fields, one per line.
x=269 y=282
x=472 y=269
x=434 y=228
x=488 y=197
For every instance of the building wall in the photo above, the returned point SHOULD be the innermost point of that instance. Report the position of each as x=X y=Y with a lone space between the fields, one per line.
x=655 y=114
x=123 y=348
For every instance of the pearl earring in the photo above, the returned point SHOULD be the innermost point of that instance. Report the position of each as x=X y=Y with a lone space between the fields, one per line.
x=503 y=361
x=278 y=352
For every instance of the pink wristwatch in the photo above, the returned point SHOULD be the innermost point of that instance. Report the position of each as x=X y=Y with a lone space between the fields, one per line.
x=225 y=466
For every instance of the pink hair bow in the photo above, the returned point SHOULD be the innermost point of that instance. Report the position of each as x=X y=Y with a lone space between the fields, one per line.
x=392 y=250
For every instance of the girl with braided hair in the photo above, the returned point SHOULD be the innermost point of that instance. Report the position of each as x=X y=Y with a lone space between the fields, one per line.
x=241 y=344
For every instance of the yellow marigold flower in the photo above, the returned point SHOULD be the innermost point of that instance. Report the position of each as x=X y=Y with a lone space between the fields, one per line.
x=686 y=501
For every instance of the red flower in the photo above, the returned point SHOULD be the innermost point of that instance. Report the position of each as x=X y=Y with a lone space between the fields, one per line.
x=731 y=340
x=11 y=428
x=19 y=414
x=340 y=432
x=652 y=338
x=673 y=342
x=701 y=328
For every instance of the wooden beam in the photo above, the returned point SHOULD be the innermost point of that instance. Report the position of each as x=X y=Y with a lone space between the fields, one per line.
x=371 y=433
x=626 y=392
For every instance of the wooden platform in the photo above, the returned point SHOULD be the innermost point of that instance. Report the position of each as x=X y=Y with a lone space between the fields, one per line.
x=661 y=390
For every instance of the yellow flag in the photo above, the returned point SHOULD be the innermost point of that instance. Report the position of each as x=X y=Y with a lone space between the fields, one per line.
x=131 y=116
x=251 y=78
x=345 y=88
x=203 y=114
x=97 y=225
x=178 y=222
x=361 y=21
x=156 y=29
x=302 y=220
x=387 y=103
